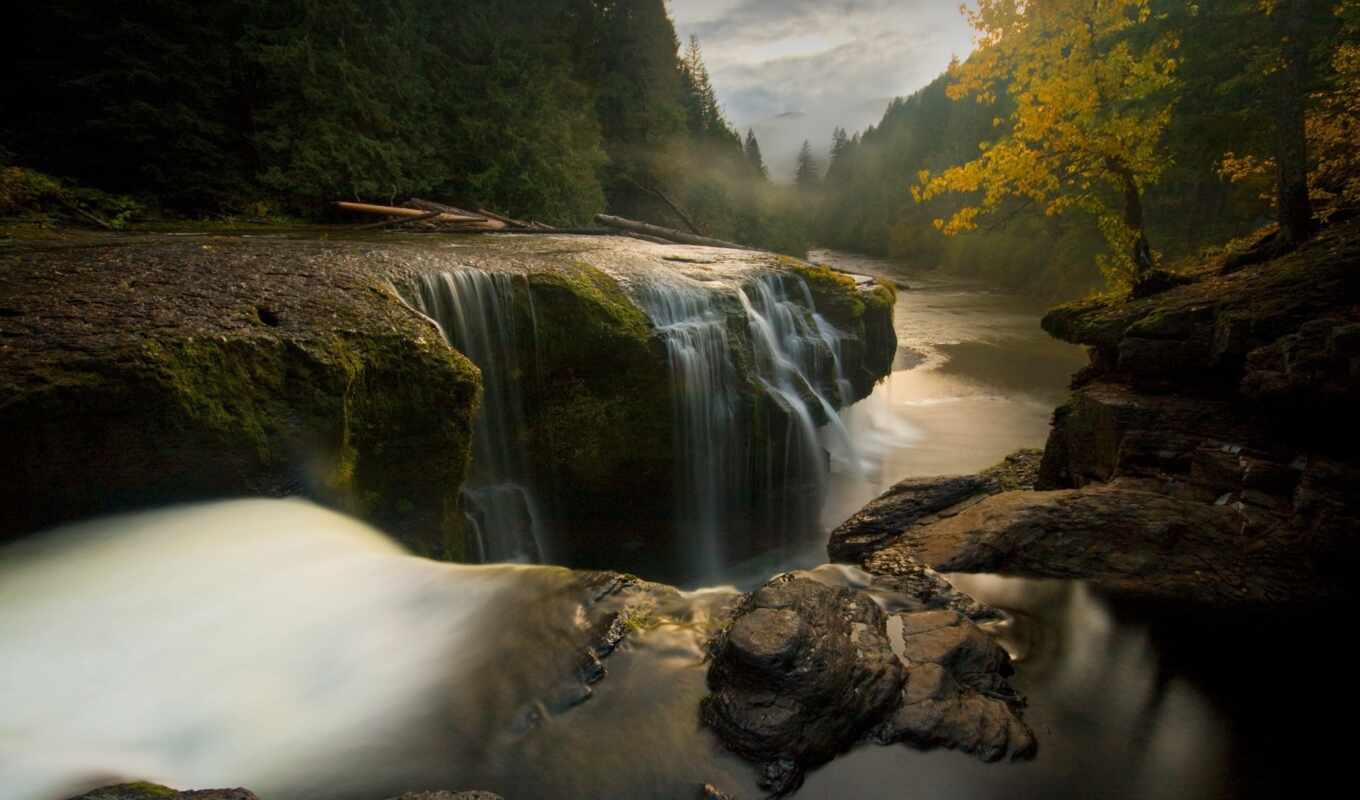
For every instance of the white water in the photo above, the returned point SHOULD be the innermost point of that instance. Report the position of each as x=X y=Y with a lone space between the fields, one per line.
x=475 y=311
x=728 y=492
x=279 y=646
x=221 y=644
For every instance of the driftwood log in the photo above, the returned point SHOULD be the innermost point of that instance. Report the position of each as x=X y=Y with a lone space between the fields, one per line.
x=442 y=216
x=669 y=234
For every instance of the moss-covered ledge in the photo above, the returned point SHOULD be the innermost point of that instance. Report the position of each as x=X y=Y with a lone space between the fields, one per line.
x=152 y=371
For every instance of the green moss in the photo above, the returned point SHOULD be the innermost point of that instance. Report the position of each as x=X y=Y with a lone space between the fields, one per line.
x=600 y=405
x=835 y=293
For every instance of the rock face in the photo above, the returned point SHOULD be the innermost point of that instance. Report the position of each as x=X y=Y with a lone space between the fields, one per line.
x=137 y=371
x=808 y=669
x=956 y=694
x=1207 y=453
x=144 y=372
x=916 y=501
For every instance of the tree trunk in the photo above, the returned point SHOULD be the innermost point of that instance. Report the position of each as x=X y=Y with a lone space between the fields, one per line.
x=669 y=234
x=1133 y=218
x=1293 y=205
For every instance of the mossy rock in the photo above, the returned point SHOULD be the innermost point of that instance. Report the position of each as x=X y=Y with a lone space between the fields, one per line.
x=188 y=393
x=601 y=412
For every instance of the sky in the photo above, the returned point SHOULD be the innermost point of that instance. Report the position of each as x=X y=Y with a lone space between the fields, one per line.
x=820 y=63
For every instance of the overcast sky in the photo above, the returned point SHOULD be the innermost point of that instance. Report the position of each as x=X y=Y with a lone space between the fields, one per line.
x=819 y=57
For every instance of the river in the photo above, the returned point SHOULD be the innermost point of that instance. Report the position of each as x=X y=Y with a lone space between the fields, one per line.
x=282 y=647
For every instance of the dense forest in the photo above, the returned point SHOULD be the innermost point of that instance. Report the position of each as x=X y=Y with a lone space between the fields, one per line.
x=550 y=109
x=1208 y=121
x=555 y=110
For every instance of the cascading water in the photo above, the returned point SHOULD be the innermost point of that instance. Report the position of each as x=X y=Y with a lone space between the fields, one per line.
x=710 y=450
x=798 y=362
x=475 y=311
x=725 y=487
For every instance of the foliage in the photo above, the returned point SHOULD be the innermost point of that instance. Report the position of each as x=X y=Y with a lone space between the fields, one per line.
x=1090 y=103
x=1220 y=86
x=547 y=109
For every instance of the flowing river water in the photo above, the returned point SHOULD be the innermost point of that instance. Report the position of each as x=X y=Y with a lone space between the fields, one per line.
x=282 y=647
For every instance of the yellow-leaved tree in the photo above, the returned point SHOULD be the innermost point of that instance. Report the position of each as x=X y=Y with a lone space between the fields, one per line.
x=1090 y=85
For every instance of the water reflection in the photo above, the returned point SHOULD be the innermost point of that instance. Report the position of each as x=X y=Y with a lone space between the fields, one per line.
x=1127 y=700
x=975 y=380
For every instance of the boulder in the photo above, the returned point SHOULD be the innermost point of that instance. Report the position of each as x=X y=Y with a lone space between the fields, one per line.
x=956 y=694
x=807 y=669
x=804 y=671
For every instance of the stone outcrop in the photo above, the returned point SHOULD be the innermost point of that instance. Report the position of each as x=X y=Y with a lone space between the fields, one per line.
x=1208 y=453
x=807 y=669
x=141 y=370
x=956 y=694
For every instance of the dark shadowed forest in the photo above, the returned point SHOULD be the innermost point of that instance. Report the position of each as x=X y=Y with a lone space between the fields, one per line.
x=549 y=109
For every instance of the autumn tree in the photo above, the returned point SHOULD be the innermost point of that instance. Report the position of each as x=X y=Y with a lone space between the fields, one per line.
x=1091 y=90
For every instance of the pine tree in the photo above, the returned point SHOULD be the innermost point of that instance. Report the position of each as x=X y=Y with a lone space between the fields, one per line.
x=808 y=176
x=837 y=169
x=753 y=156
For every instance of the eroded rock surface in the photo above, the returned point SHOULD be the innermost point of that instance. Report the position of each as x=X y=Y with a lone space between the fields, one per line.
x=956 y=694
x=808 y=669
x=137 y=371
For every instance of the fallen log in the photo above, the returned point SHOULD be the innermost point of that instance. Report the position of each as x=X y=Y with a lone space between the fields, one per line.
x=397 y=211
x=669 y=234
x=511 y=221
x=397 y=222
x=677 y=210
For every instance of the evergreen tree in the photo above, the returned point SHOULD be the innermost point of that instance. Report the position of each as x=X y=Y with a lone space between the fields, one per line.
x=753 y=156
x=808 y=177
x=836 y=170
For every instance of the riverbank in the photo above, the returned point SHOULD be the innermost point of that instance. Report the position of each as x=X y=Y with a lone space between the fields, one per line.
x=1206 y=455
x=975 y=379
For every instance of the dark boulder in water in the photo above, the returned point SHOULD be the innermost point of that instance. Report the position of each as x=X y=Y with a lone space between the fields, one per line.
x=808 y=669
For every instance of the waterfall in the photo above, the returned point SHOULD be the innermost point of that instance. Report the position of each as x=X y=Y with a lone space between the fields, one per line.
x=709 y=450
x=726 y=491
x=475 y=311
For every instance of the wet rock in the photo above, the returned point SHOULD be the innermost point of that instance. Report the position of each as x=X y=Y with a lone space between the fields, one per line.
x=804 y=672
x=901 y=583
x=1132 y=541
x=956 y=694
x=808 y=668
x=899 y=508
x=917 y=500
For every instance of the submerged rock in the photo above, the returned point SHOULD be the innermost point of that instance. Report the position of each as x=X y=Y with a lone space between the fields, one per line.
x=807 y=669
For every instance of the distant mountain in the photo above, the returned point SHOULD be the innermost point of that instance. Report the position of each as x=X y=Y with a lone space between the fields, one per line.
x=782 y=135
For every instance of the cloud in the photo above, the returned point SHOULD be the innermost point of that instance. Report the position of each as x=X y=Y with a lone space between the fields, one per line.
x=767 y=57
